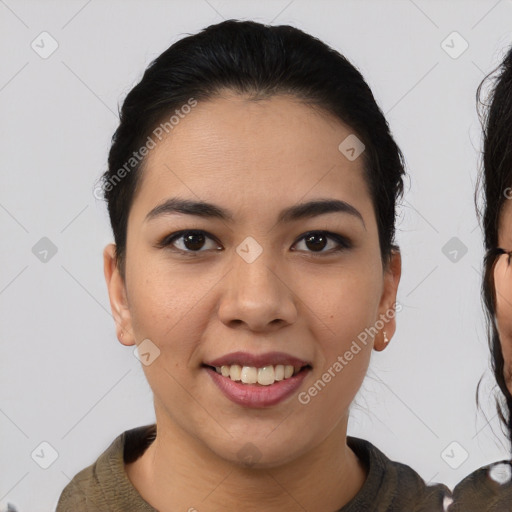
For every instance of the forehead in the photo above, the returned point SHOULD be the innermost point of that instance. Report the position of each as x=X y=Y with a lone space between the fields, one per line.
x=238 y=149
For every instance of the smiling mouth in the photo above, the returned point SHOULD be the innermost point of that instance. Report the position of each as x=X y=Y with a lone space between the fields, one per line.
x=263 y=376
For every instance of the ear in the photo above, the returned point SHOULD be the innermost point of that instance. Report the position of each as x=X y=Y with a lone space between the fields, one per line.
x=387 y=311
x=117 y=295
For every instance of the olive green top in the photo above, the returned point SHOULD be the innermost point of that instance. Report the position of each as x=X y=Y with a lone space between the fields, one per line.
x=488 y=489
x=104 y=485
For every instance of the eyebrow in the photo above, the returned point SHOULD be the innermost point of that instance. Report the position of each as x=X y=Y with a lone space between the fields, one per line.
x=293 y=213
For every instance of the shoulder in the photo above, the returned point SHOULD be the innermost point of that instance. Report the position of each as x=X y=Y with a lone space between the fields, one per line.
x=394 y=486
x=105 y=483
x=486 y=489
x=80 y=493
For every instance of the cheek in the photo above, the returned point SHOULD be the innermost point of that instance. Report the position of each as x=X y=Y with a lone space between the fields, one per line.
x=344 y=366
x=159 y=290
x=352 y=301
x=167 y=307
x=503 y=286
x=349 y=313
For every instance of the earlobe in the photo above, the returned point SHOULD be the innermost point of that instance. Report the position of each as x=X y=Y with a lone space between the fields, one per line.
x=383 y=338
x=117 y=296
x=386 y=323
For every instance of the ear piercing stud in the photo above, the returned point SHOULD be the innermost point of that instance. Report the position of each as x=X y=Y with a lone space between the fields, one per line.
x=385 y=337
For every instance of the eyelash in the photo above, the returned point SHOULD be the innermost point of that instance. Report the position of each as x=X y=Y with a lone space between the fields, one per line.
x=167 y=241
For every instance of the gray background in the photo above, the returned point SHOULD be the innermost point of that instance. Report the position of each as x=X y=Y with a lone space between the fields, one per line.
x=67 y=381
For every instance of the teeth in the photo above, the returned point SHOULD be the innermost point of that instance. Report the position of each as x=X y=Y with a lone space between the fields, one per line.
x=249 y=375
x=264 y=376
x=235 y=372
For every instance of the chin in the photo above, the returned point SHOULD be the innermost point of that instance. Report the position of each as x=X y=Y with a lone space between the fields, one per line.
x=259 y=452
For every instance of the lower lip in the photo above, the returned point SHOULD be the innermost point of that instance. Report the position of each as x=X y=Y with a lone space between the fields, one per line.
x=255 y=395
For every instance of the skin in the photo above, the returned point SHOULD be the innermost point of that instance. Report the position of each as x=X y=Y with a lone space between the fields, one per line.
x=254 y=158
x=502 y=283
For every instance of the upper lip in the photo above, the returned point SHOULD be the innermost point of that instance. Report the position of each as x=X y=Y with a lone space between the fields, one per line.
x=257 y=360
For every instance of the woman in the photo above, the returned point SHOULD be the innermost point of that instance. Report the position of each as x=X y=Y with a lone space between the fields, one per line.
x=251 y=189
x=490 y=488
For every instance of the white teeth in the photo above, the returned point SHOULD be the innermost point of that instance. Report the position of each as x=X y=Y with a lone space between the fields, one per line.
x=249 y=375
x=264 y=376
x=235 y=372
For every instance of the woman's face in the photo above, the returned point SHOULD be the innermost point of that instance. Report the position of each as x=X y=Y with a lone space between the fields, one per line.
x=251 y=289
x=503 y=286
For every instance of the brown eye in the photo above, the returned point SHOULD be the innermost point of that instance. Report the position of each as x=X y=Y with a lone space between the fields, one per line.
x=316 y=241
x=191 y=241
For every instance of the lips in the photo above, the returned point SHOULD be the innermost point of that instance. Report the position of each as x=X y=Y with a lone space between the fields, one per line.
x=257 y=360
x=257 y=380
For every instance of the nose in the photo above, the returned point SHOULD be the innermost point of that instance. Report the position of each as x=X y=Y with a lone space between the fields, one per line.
x=257 y=295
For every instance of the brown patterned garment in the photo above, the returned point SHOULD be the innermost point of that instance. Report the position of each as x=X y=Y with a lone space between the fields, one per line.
x=104 y=486
x=488 y=489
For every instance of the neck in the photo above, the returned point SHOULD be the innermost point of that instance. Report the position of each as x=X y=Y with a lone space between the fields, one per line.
x=177 y=472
